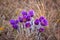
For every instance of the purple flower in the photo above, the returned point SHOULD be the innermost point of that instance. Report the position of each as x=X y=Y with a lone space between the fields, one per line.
x=44 y=22
x=31 y=13
x=17 y=21
x=24 y=12
x=27 y=25
x=36 y=22
x=28 y=18
x=41 y=29
x=15 y=26
x=12 y=21
x=41 y=18
x=21 y=19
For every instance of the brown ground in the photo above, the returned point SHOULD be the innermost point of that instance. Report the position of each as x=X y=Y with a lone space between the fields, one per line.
x=49 y=8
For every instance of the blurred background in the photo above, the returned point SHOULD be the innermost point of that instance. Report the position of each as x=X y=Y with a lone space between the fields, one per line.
x=10 y=9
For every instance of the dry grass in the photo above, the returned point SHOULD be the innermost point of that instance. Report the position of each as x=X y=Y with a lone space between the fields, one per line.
x=10 y=9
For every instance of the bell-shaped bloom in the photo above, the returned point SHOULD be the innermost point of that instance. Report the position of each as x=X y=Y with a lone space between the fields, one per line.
x=15 y=26
x=36 y=22
x=31 y=13
x=41 y=29
x=28 y=18
x=27 y=25
x=41 y=18
x=44 y=22
x=24 y=12
x=21 y=19
x=12 y=21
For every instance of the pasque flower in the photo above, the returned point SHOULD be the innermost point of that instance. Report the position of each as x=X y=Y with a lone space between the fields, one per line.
x=41 y=18
x=43 y=21
x=15 y=26
x=20 y=19
x=27 y=25
x=28 y=18
x=12 y=21
x=31 y=13
x=36 y=22
x=41 y=29
x=24 y=12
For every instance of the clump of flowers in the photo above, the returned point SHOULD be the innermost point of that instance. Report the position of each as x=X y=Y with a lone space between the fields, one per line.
x=27 y=21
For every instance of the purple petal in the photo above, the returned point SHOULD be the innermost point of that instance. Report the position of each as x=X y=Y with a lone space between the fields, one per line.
x=31 y=13
x=41 y=29
x=36 y=22
x=27 y=25
x=15 y=26
x=12 y=21
x=28 y=18
x=41 y=18
x=24 y=12
x=20 y=19
x=44 y=22
x=17 y=21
